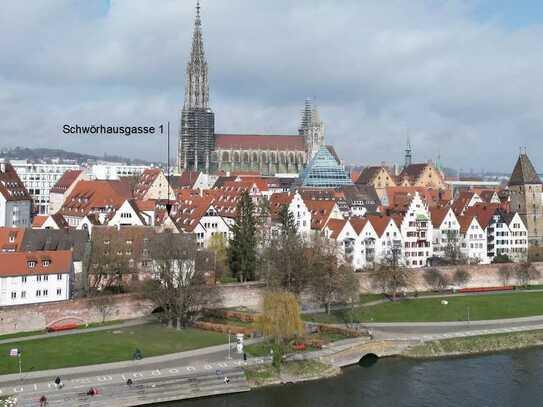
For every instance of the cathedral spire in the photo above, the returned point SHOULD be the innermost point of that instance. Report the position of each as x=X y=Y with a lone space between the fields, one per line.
x=196 y=86
x=408 y=159
x=312 y=128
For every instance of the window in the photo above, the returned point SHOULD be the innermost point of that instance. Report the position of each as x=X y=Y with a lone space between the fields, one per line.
x=59 y=292
x=13 y=295
x=59 y=276
x=23 y=279
x=46 y=263
x=45 y=278
x=38 y=278
x=23 y=294
x=31 y=264
x=45 y=293
x=38 y=293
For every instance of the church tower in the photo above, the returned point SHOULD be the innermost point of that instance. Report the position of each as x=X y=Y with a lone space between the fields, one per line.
x=525 y=187
x=197 y=131
x=408 y=158
x=312 y=129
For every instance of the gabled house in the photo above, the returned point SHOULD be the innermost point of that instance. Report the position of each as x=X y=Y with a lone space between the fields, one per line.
x=64 y=186
x=424 y=175
x=473 y=240
x=55 y=221
x=321 y=212
x=465 y=200
x=15 y=201
x=296 y=206
x=153 y=184
x=130 y=215
x=101 y=198
x=446 y=230
x=416 y=228
x=35 y=277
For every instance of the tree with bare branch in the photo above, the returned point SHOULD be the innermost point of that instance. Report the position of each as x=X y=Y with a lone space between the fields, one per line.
x=180 y=286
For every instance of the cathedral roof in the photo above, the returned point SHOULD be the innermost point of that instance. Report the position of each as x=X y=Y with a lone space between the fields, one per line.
x=524 y=172
x=259 y=142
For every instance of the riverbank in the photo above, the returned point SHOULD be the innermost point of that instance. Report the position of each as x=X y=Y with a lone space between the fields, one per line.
x=291 y=372
x=475 y=345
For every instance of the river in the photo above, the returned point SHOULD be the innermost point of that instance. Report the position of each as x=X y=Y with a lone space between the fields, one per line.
x=512 y=379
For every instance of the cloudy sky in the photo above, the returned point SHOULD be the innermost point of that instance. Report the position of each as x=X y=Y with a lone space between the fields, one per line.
x=462 y=78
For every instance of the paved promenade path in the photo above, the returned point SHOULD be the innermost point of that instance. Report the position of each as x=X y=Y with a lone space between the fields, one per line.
x=428 y=331
x=190 y=374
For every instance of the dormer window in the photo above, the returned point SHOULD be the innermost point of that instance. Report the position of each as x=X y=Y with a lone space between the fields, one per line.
x=31 y=264
x=46 y=263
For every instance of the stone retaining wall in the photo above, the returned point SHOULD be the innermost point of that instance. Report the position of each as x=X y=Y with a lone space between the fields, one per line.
x=486 y=275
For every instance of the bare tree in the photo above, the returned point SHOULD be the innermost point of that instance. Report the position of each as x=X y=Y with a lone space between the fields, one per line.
x=436 y=279
x=391 y=275
x=180 y=285
x=505 y=273
x=284 y=265
x=331 y=282
x=452 y=250
x=105 y=305
x=525 y=272
x=461 y=277
x=107 y=265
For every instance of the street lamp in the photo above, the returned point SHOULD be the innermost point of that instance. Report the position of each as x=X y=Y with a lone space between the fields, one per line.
x=229 y=346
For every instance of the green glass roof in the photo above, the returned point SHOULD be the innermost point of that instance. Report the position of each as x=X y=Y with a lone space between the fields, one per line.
x=323 y=171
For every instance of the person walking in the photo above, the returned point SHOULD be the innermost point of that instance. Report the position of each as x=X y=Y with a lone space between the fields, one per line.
x=57 y=381
x=43 y=401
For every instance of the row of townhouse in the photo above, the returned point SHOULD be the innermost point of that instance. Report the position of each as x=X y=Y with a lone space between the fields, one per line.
x=420 y=235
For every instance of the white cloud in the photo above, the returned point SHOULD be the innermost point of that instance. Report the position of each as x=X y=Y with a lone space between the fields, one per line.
x=380 y=70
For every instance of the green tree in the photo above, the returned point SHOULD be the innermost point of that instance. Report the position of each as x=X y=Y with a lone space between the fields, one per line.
x=242 y=247
x=287 y=221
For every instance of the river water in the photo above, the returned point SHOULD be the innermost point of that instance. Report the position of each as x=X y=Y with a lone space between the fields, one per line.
x=513 y=379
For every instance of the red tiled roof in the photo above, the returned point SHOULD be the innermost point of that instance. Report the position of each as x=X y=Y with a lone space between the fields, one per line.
x=437 y=215
x=16 y=264
x=254 y=141
x=320 y=212
x=379 y=223
x=39 y=220
x=11 y=186
x=465 y=221
x=336 y=226
x=278 y=199
x=11 y=239
x=65 y=181
x=358 y=224
x=461 y=202
x=90 y=196
x=483 y=212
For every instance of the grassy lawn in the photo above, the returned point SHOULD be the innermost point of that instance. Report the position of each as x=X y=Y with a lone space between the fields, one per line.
x=365 y=298
x=263 y=348
x=481 y=307
x=22 y=334
x=104 y=346
x=477 y=344
x=262 y=375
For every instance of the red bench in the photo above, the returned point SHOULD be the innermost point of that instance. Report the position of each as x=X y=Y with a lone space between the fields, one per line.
x=486 y=289
x=63 y=327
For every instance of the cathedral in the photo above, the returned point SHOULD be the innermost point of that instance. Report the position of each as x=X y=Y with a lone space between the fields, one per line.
x=201 y=149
